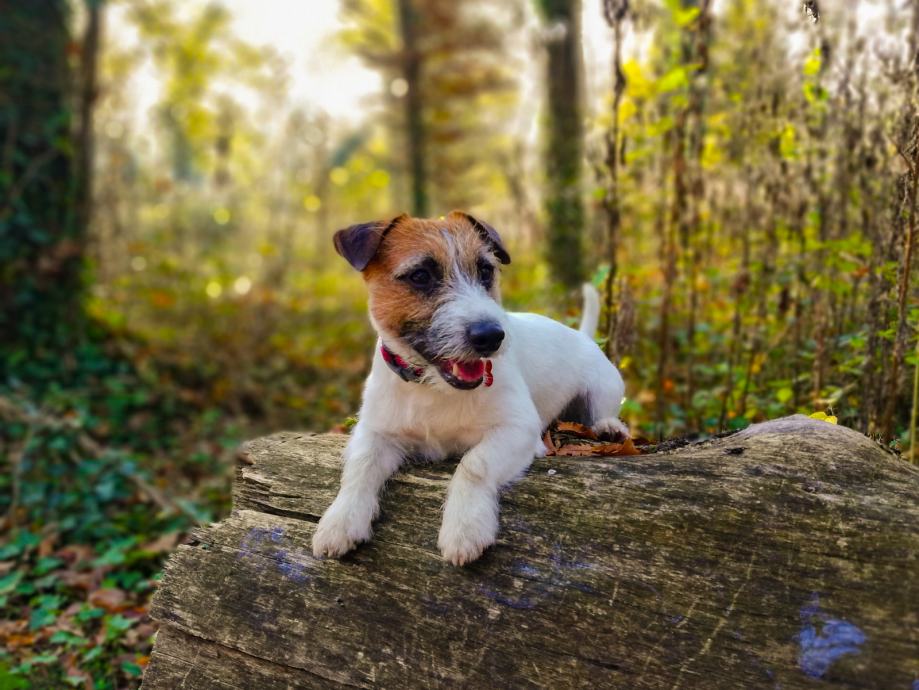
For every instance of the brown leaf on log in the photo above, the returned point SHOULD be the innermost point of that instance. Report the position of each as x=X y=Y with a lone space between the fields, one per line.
x=568 y=439
x=576 y=429
x=598 y=449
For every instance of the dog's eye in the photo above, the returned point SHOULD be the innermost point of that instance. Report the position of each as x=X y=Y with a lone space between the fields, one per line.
x=486 y=274
x=421 y=278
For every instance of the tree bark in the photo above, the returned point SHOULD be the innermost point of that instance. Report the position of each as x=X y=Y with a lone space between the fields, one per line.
x=41 y=241
x=565 y=147
x=615 y=12
x=89 y=62
x=414 y=107
x=783 y=555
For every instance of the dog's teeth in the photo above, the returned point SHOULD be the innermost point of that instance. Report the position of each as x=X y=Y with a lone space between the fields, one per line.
x=456 y=370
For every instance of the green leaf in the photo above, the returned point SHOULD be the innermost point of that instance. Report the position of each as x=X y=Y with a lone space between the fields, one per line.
x=813 y=63
x=783 y=395
x=9 y=582
x=66 y=637
x=47 y=564
x=131 y=669
x=677 y=78
x=10 y=679
x=48 y=658
x=89 y=613
x=685 y=17
x=41 y=618
x=93 y=654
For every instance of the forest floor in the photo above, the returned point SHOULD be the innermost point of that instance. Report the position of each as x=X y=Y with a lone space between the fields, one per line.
x=109 y=459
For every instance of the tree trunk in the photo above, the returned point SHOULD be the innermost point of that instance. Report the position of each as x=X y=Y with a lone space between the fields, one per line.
x=414 y=106
x=41 y=240
x=615 y=12
x=779 y=556
x=565 y=147
x=89 y=61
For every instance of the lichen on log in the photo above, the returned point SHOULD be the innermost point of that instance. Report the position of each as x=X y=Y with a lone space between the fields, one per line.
x=785 y=555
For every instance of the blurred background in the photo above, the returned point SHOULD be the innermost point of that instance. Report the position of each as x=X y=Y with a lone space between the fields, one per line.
x=738 y=178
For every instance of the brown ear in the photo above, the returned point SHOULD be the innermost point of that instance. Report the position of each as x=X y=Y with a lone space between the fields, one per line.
x=358 y=244
x=489 y=234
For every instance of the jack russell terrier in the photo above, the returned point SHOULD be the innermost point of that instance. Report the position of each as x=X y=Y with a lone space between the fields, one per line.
x=454 y=374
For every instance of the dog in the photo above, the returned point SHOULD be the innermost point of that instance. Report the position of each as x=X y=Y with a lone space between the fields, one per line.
x=454 y=374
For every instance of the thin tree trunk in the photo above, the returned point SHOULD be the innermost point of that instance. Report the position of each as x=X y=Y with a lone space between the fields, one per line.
x=414 y=107
x=668 y=269
x=615 y=12
x=89 y=61
x=696 y=111
x=902 y=334
x=908 y=148
x=565 y=150
x=915 y=410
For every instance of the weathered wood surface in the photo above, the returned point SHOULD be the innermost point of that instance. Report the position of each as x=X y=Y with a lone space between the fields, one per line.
x=784 y=556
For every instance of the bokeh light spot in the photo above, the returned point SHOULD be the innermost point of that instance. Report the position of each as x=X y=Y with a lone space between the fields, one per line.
x=398 y=87
x=339 y=176
x=242 y=285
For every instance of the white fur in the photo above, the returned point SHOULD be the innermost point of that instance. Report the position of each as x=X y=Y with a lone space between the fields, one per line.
x=541 y=366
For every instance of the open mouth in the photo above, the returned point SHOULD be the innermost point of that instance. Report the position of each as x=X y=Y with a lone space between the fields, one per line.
x=465 y=374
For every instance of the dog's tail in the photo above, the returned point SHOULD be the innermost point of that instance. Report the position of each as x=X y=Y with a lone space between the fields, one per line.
x=591 y=316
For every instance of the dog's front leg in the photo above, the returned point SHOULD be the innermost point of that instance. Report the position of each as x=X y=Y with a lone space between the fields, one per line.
x=370 y=459
x=470 y=522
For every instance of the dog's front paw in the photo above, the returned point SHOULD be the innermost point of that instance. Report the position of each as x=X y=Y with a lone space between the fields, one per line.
x=612 y=428
x=469 y=527
x=541 y=450
x=337 y=533
x=462 y=548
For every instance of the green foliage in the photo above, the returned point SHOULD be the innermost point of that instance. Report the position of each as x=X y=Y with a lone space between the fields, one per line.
x=40 y=240
x=90 y=490
x=762 y=176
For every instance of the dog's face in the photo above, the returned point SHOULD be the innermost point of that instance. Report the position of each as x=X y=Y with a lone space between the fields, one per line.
x=433 y=289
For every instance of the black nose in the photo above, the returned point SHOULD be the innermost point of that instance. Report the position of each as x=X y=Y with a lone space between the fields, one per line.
x=485 y=336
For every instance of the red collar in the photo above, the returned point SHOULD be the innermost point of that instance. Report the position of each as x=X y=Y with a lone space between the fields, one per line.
x=406 y=371
x=413 y=374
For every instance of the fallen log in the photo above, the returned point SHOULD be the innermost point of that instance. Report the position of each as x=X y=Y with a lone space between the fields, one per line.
x=785 y=555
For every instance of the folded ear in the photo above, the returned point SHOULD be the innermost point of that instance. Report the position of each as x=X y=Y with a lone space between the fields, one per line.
x=489 y=234
x=358 y=244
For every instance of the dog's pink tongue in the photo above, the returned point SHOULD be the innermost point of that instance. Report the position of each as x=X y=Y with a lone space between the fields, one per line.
x=468 y=371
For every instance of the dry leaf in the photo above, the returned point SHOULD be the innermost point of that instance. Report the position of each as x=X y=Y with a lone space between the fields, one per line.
x=598 y=450
x=109 y=599
x=46 y=547
x=577 y=429
x=75 y=554
x=162 y=544
x=549 y=442
x=86 y=580
x=15 y=641
x=8 y=628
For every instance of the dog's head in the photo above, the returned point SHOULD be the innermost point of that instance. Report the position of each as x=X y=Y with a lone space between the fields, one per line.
x=434 y=290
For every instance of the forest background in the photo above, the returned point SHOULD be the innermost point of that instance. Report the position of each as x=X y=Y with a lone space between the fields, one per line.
x=739 y=179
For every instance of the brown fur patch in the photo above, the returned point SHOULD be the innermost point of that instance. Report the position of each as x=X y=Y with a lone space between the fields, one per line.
x=452 y=242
